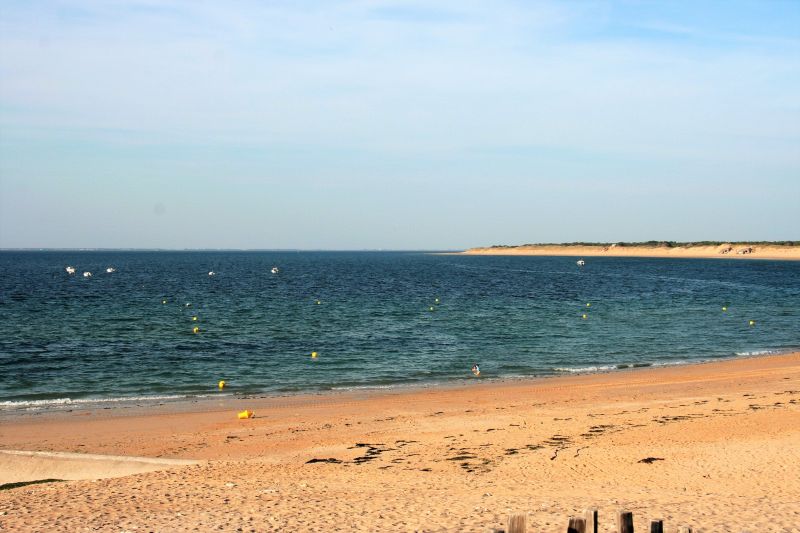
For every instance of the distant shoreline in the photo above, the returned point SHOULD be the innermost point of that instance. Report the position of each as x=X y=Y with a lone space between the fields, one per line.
x=739 y=250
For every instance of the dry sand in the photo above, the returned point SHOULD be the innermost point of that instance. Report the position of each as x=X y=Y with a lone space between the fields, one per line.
x=724 y=251
x=724 y=438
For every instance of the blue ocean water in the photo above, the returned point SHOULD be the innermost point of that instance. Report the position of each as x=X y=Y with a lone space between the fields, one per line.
x=383 y=319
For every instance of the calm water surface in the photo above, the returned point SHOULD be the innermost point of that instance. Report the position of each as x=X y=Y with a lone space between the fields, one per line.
x=66 y=339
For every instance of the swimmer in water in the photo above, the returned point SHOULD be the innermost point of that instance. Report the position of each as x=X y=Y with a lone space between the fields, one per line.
x=476 y=369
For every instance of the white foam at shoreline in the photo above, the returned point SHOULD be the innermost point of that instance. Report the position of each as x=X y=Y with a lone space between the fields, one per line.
x=585 y=369
x=623 y=366
x=758 y=352
x=17 y=404
x=384 y=386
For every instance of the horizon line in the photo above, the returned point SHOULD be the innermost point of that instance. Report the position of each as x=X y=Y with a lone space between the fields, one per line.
x=103 y=249
x=572 y=243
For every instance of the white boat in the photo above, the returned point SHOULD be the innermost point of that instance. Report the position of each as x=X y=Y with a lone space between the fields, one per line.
x=274 y=270
x=87 y=274
x=70 y=270
x=581 y=262
x=212 y=273
x=111 y=269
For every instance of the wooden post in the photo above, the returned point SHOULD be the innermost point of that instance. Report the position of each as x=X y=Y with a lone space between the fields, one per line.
x=625 y=521
x=577 y=524
x=517 y=523
x=656 y=526
x=684 y=529
x=590 y=515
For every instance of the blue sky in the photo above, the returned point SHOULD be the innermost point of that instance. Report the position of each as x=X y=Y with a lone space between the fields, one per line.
x=397 y=125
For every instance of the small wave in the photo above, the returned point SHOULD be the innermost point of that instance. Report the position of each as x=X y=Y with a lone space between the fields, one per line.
x=385 y=386
x=586 y=369
x=677 y=363
x=757 y=352
x=55 y=402
x=634 y=365
x=620 y=366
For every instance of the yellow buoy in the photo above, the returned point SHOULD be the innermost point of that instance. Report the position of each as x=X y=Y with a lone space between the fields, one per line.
x=221 y=384
x=163 y=301
x=752 y=322
x=585 y=316
x=318 y=302
x=724 y=308
x=246 y=414
x=194 y=319
x=431 y=308
x=314 y=355
x=436 y=301
x=195 y=329
x=588 y=304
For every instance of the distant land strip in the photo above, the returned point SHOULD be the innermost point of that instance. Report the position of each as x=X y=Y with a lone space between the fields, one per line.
x=781 y=250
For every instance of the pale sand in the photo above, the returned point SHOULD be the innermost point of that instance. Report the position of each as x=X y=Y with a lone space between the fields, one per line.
x=774 y=252
x=452 y=459
x=19 y=466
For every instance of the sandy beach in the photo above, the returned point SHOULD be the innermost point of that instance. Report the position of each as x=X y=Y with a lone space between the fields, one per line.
x=722 y=251
x=711 y=445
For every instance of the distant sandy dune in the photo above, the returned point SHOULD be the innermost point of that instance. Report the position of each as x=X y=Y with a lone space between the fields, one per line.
x=722 y=251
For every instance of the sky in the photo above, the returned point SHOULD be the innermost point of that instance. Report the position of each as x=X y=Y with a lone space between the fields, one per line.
x=396 y=125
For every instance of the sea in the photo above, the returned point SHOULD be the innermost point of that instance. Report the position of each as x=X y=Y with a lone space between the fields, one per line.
x=160 y=327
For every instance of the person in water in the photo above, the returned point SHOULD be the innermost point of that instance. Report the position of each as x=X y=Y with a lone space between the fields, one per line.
x=476 y=369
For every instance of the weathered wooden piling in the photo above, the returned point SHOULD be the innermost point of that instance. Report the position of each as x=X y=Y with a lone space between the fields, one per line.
x=577 y=524
x=517 y=523
x=590 y=515
x=624 y=521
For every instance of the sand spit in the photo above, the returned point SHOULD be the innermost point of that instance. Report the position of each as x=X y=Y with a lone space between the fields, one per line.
x=21 y=466
x=722 y=251
x=712 y=446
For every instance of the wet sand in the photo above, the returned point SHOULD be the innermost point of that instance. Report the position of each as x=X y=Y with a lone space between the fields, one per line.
x=714 y=446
